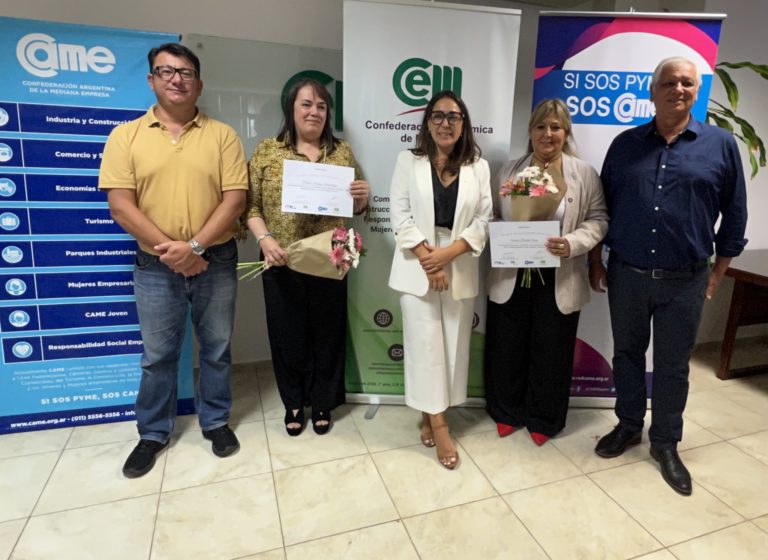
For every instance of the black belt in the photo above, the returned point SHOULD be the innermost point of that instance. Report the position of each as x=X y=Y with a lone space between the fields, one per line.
x=669 y=273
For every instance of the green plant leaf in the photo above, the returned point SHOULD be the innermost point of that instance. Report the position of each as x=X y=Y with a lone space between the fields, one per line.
x=753 y=142
x=760 y=69
x=719 y=121
x=752 y=159
x=731 y=90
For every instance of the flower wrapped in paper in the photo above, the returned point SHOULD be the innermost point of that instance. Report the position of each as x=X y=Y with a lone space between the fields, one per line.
x=534 y=195
x=329 y=254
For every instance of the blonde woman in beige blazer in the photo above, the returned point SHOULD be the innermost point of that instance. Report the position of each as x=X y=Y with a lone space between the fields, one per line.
x=531 y=332
x=440 y=200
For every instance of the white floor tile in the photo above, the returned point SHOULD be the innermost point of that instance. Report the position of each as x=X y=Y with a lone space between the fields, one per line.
x=93 y=475
x=119 y=531
x=192 y=463
x=386 y=541
x=515 y=462
x=639 y=489
x=227 y=519
x=754 y=444
x=9 y=534
x=741 y=542
x=584 y=524
x=328 y=498
x=418 y=483
x=22 y=479
x=277 y=554
x=738 y=479
x=486 y=529
x=343 y=440
x=393 y=426
x=98 y=434
x=722 y=416
x=27 y=443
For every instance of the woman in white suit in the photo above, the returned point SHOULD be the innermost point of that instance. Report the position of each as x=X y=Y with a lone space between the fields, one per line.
x=441 y=203
x=531 y=331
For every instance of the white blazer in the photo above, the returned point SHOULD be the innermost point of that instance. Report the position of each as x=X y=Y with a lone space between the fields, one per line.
x=413 y=218
x=585 y=223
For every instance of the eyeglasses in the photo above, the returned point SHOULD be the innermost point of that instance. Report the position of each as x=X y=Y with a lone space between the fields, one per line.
x=166 y=73
x=437 y=117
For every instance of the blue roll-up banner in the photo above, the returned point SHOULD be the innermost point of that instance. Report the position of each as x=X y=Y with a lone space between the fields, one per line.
x=68 y=326
x=600 y=65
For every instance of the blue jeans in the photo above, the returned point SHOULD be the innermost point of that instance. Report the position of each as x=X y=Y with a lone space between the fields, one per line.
x=674 y=307
x=163 y=298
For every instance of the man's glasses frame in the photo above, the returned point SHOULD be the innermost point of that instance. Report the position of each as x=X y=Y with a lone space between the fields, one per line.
x=453 y=117
x=166 y=73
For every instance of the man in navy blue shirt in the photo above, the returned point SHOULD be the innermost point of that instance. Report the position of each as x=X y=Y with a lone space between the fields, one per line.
x=666 y=183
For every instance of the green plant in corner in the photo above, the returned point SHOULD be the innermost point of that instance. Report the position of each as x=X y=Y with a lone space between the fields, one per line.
x=726 y=117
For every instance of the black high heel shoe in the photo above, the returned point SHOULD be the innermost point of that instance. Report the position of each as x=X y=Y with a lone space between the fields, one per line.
x=319 y=415
x=291 y=418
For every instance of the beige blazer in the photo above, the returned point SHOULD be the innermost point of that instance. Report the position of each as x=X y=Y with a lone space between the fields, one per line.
x=585 y=223
x=413 y=218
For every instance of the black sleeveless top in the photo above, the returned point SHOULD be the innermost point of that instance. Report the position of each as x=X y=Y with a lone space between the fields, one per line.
x=444 y=199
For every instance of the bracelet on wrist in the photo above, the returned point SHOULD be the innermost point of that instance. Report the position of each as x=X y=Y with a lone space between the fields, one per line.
x=197 y=249
x=260 y=238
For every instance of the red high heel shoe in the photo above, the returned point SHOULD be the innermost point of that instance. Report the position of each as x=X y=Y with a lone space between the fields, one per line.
x=539 y=439
x=505 y=429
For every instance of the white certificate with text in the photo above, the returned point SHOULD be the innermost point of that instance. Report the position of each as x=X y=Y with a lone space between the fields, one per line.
x=523 y=244
x=317 y=188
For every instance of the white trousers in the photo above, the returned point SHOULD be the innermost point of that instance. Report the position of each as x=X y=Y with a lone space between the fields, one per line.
x=436 y=334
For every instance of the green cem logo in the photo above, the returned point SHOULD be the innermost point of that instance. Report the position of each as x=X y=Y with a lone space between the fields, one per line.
x=414 y=83
x=337 y=93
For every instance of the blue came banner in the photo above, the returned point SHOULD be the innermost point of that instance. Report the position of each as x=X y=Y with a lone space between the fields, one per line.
x=601 y=65
x=69 y=331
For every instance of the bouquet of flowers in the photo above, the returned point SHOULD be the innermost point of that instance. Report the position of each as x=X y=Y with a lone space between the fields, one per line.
x=329 y=255
x=346 y=248
x=532 y=182
x=534 y=196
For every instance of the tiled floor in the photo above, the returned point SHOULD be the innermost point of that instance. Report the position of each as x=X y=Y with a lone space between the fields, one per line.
x=370 y=490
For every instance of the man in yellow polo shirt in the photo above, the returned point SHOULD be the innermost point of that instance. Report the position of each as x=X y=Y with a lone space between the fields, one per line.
x=176 y=180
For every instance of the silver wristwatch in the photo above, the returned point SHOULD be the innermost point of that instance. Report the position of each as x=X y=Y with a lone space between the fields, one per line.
x=196 y=248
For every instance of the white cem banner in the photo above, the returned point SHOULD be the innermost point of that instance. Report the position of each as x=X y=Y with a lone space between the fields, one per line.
x=396 y=56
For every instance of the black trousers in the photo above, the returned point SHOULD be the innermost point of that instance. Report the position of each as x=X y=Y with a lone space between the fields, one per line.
x=306 y=319
x=529 y=357
x=674 y=307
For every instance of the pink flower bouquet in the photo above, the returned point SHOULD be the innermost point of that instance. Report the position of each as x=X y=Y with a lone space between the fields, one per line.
x=329 y=255
x=534 y=196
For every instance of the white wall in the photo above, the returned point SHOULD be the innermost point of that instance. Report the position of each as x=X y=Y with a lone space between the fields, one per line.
x=318 y=23
x=315 y=23
x=743 y=38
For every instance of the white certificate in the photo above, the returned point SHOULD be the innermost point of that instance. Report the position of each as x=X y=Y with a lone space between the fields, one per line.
x=317 y=188
x=523 y=244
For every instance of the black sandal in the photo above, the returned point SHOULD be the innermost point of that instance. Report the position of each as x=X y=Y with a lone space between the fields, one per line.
x=319 y=415
x=291 y=418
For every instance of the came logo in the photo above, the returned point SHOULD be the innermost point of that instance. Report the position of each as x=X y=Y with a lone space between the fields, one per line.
x=40 y=55
x=414 y=84
x=337 y=93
